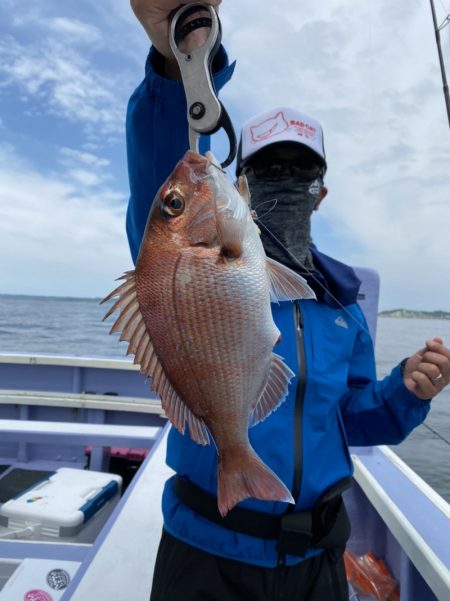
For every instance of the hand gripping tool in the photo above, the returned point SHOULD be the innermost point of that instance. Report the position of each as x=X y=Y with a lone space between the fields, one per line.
x=205 y=112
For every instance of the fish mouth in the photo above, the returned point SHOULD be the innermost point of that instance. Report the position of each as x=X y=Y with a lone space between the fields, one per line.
x=202 y=166
x=196 y=164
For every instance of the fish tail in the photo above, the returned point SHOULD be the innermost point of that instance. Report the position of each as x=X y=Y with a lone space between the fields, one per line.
x=242 y=475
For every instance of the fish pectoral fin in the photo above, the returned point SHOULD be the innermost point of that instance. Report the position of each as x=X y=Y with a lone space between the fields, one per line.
x=244 y=190
x=285 y=284
x=275 y=391
x=132 y=328
x=232 y=215
x=230 y=233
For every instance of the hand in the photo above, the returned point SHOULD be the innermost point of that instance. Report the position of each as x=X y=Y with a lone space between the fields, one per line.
x=155 y=15
x=427 y=372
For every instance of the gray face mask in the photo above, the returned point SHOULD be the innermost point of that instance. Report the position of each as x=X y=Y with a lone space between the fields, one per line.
x=284 y=206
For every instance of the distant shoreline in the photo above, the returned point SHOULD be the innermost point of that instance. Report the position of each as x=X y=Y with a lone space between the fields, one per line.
x=409 y=314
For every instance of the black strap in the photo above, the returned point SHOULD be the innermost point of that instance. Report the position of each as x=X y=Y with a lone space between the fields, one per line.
x=185 y=29
x=239 y=519
x=326 y=526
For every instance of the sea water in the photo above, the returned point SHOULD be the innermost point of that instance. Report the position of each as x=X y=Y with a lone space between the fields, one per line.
x=67 y=326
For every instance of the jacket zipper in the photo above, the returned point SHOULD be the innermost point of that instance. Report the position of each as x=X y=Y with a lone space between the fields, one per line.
x=299 y=401
x=298 y=438
x=298 y=414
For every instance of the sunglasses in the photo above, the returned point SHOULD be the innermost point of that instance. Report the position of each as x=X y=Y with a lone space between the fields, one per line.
x=280 y=169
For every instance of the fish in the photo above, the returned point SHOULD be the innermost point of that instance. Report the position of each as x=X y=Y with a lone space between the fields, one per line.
x=196 y=312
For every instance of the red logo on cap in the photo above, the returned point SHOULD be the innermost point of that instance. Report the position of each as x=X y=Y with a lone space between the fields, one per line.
x=302 y=128
x=276 y=125
x=268 y=128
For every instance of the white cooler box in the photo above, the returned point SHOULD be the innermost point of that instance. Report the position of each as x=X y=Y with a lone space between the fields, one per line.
x=71 y=504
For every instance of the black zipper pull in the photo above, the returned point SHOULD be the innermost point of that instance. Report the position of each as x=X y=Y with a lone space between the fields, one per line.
x=299 y=316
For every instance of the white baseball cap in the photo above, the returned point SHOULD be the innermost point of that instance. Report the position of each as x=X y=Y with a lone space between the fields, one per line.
x=280 y=124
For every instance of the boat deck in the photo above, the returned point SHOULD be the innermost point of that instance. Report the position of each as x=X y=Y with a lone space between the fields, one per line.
x=68 y=405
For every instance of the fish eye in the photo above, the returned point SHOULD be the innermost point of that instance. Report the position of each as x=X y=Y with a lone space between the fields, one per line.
x=173 y=204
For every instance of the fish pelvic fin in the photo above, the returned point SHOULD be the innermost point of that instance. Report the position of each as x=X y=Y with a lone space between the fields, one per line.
x=285 y=284
x=275 y=391
x=133 y=329
x=242 y=475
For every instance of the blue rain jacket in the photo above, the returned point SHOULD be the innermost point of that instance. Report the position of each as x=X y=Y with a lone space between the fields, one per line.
x=343 y=404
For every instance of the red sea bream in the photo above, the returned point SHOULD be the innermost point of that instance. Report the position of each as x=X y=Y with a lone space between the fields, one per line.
x=196 y=313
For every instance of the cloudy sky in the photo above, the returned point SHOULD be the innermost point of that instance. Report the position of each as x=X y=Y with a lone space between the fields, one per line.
x=367 y=70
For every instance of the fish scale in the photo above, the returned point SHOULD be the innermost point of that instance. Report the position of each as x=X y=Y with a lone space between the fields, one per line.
x=228 y=343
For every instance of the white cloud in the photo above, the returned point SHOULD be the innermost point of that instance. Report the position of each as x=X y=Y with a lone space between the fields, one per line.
x=59 y=238
x=65 y=83
x=86 y=178
x=73 y=29
x=70 y=155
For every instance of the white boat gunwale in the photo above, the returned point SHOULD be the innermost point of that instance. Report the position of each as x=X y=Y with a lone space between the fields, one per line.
x=78 y=433
x=82 y=400
x=68 y=361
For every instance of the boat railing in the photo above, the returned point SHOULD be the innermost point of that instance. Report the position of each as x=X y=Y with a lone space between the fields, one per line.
x=415 y=515
x=81 y=400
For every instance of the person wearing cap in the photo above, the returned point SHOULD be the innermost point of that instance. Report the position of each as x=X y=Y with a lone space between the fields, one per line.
x=267 y=550
x=282 y=154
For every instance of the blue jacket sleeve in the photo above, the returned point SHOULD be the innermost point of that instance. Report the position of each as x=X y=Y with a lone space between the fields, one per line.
x=377 y=412
x=157 y=137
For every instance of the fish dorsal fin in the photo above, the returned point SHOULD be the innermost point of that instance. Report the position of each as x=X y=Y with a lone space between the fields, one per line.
x=275 y=391
x=285 y=284
x=132 y=328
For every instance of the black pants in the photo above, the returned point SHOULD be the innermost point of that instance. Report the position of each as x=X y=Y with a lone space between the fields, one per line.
x=184 y=573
